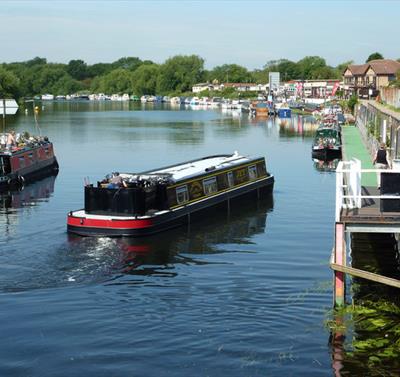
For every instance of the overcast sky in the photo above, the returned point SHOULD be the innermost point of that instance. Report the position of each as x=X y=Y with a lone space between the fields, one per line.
x=248 y=33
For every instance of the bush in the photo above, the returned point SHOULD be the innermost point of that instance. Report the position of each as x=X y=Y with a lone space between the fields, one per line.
x=351 y=103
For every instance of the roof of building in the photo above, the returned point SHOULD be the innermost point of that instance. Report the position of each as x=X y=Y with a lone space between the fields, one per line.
x=379 y=66
x=358 y=69
x=385 y=66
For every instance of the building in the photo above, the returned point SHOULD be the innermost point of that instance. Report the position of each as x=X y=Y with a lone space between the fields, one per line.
x=274 y=81
x=365 y=80
x=243 y=87
x=311 y=88
x=239 y=87
x=202 y=86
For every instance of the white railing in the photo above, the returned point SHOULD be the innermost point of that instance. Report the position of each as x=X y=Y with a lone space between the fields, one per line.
x=348 y=185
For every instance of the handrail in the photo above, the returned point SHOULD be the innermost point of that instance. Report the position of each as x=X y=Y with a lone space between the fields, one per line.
x=348 y=186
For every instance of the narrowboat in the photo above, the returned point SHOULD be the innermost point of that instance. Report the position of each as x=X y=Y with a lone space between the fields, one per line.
x=327 y=142
x=32 y=159
x=156 y=200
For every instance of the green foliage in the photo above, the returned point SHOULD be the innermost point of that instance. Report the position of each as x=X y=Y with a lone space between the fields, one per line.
x=175 y=76
x=180 y=73
x=9 y=84
x=98 y=69
x=77 y=69
x=129 y=63
x=48 y=80
x=144 y=80
x=374 y=56
x=118 y=81
x=230 y=73
x=376 y=335
x=311 y=67
x=351 y=103
x=288 y=70
x=259 y=76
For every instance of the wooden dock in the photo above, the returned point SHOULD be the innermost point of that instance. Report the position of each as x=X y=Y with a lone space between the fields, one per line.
x=360 y=208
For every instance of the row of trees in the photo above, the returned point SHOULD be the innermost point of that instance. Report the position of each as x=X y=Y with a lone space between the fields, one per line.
x=132 y=75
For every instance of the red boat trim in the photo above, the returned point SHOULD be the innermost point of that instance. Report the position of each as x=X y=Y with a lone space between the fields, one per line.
x=85 y=222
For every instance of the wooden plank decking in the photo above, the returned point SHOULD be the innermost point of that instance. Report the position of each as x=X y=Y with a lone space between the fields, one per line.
x=370 y=212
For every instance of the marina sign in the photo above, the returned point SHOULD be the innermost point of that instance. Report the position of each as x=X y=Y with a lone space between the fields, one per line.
x=8 y=106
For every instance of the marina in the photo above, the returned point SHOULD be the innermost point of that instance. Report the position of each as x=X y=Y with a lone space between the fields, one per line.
x=188 y=190
x=74 y=282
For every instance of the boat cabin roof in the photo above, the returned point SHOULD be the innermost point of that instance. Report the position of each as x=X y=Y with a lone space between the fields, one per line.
x=327 y=132
x=197 y=167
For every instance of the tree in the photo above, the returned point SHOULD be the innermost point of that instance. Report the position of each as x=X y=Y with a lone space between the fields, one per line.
x=77 y=69
x=144 y=79
x=374 y=56
x=117 y=81
x=98 y=69
x=36 y=61
x=9 y=84
x=180 y=73
x=52 y=79
x=230 y=73
x=288 y=70
x=308 y=65
x=130 y=63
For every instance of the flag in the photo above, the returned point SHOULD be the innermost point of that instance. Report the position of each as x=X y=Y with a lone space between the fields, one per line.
x=335 y=88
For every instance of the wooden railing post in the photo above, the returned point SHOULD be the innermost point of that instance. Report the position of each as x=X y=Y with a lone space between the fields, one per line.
x=339 y=193
x=340 y=259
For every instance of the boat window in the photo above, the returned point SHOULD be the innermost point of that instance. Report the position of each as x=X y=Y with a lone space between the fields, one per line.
x=252 y=172
x=182 y=195
x=231 y=182
x=210 y=185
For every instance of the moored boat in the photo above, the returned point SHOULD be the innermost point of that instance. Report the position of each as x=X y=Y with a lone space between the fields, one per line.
x=327 y=142
x=32 y=158
x=156 y=200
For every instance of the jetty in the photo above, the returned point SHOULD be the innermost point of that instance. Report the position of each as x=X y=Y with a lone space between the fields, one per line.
x=362 y=207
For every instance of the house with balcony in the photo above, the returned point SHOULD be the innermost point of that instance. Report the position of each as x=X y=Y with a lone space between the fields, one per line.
x=365 y=80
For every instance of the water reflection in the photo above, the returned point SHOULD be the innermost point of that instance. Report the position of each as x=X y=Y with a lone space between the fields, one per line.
x=29 y=195
x=327 y=166
x=303 y=126
x=13 y=202
x=157 y=254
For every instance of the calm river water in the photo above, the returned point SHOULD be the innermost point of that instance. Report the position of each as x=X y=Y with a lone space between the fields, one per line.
x=244 y=294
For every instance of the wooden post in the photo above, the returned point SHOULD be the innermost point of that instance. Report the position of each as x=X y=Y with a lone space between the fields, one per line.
x=340 y=259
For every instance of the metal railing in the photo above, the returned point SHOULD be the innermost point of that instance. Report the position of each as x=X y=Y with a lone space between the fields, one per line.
x=349 y=187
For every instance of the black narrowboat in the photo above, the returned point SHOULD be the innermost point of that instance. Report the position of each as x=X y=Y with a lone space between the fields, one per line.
x=156 y=200
x=32 y=159
x=327 y=144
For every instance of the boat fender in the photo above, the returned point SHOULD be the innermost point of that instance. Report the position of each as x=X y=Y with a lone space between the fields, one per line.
x=21 y=181
x=16 y=180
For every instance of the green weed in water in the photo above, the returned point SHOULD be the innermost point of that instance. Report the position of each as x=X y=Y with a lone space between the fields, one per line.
x=372 y=330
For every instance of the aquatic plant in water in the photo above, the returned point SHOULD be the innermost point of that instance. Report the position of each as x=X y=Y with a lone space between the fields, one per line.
x=372 y=333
